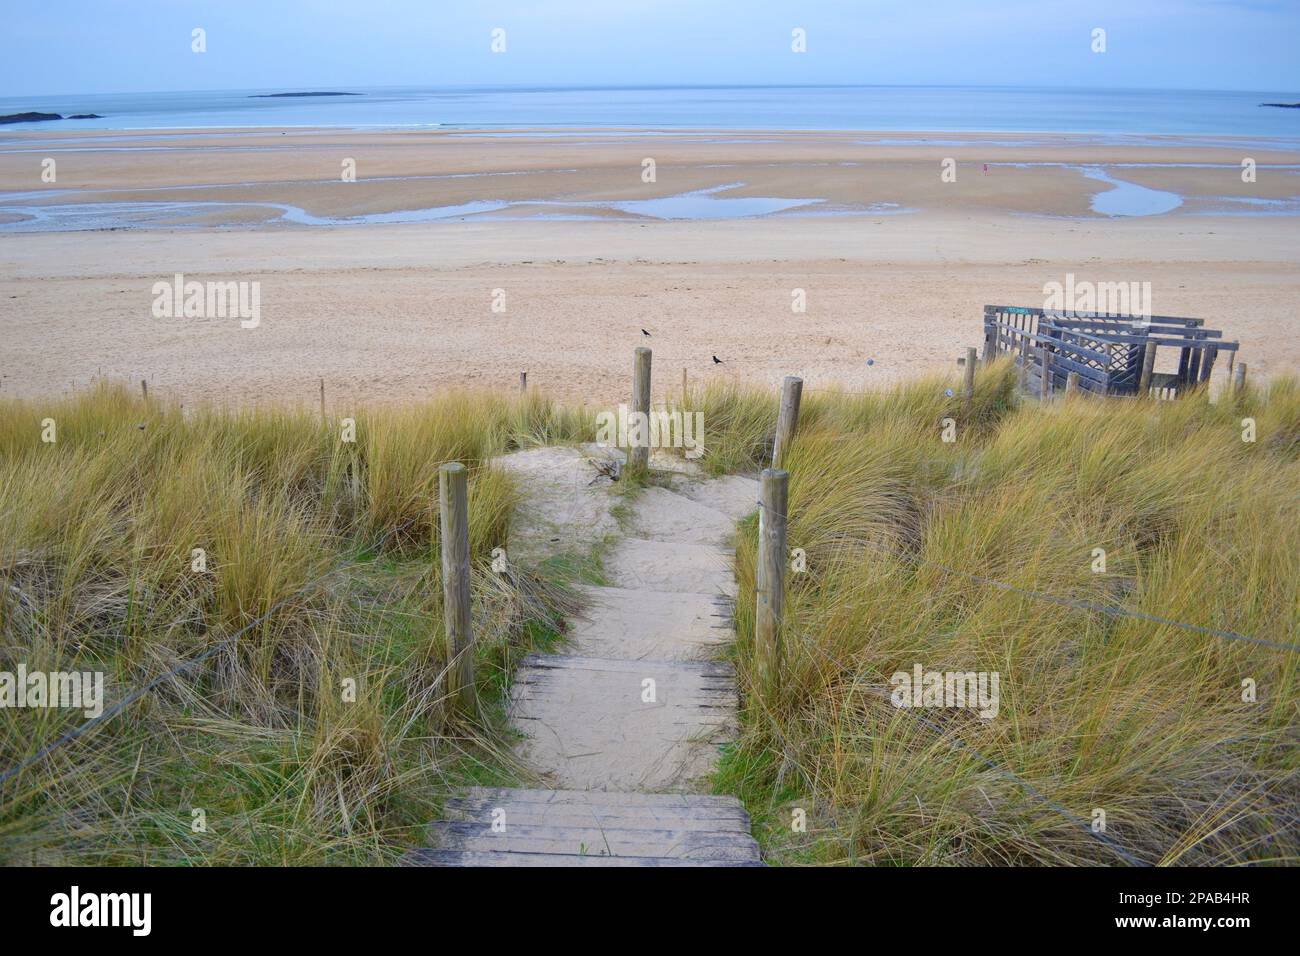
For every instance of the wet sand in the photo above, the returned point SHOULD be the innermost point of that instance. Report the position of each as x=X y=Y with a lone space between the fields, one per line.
x=390 y=312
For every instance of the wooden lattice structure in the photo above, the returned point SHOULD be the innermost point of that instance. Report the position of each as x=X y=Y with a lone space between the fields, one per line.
x=1109 y=352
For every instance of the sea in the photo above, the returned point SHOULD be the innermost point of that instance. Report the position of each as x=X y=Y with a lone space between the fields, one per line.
x=1120 y=112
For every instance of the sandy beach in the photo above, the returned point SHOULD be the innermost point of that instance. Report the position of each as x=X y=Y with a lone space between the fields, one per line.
x=895 y=262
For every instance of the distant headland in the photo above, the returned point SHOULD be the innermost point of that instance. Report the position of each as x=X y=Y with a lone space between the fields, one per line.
x=1283 y=106
x=259 y=96
x=44 y=117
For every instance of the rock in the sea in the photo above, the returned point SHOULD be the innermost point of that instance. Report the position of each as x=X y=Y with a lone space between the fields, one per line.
x=1283 y=106
x=29 y=117
x=85 y=116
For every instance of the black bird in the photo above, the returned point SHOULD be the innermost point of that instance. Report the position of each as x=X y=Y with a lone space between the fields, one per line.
x=645 y=333
x=716 y=360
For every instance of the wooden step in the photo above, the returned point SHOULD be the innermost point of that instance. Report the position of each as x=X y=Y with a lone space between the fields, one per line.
x=670 y=566
x=506 y=827
x=589 y=728
x=733 y=495
x=663 y=515
x=498 y=858
x=639 y=624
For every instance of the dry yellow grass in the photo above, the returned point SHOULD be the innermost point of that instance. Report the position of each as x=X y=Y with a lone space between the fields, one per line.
x=333 y=542
x=1141 y=720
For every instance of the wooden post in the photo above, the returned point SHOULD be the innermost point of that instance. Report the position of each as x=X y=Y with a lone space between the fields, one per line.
x=1148 y=367
x=1071 y=384
x=322 y=399
x=639 y=457
x=453 y=509
x=1208 y=355
x=683 y=388
x=787 y=420
x=1045 y=392
x=990 y=344
x=1194 y=364
x=523 y=382
x=968 y=386
x=144 y=389
x=1239 y=379
x=354 y=476
x=770 y=593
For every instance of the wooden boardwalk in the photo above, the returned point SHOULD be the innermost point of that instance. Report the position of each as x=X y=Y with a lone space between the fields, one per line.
x=625 y=725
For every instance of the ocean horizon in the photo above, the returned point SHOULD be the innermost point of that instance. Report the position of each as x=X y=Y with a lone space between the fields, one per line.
x=827 y=108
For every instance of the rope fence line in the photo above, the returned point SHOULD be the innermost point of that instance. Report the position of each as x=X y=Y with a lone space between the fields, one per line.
x=1109 y=610
x=948 y=738
x=958 y=743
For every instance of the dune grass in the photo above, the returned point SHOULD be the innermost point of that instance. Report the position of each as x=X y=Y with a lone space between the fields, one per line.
x=334 y=541
x=318 y=734
x=1143 y=721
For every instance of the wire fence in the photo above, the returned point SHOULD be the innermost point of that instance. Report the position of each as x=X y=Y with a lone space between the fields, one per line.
x=954 y=742
x=1109 y=610
x=1001 y=769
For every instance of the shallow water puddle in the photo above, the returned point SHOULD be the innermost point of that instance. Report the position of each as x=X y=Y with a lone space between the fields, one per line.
x=697 y=205
x=1129 y=199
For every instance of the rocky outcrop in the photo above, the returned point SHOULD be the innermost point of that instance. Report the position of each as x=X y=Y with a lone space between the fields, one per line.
x=44 y=117
x=29 y=117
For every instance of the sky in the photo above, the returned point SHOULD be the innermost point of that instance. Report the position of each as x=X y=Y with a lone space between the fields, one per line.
x=104 y=46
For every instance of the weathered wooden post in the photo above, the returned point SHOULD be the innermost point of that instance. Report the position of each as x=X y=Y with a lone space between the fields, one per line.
x=453 y=508
x=683 y=388
x=1194 y=364
x=787 y=420
x=968 y=386
x=639 y=456
x=1239 y=380
x=322 y=399
x=1185 y=355
x=774 y=488
x=1071 y=384
x=1045 y=392
x=523 y=382
x=1148 y=368
x=990 y=344
x=144 y=389
x=1208 y=355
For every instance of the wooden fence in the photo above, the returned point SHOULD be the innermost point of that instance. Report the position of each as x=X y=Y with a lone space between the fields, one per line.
x=1111 y=355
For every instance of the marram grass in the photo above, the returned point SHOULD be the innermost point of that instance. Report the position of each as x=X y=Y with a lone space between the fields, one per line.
x=317 y=735
x=1146 y=726
x=257 y=756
